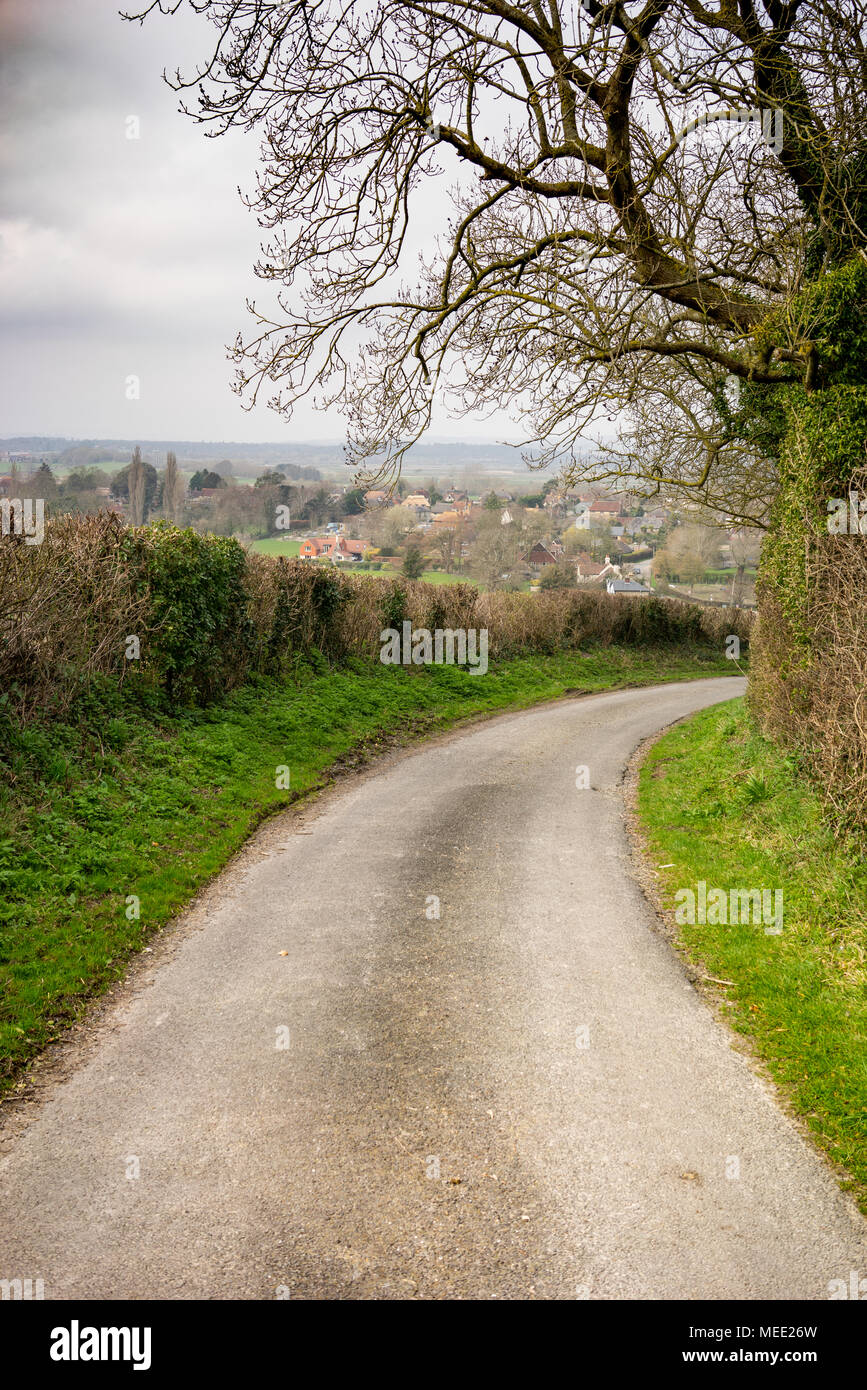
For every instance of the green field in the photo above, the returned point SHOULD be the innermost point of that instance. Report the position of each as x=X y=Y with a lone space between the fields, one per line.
x=440 y=577
x=276 y=545
x=722 y=805
x=132 y=805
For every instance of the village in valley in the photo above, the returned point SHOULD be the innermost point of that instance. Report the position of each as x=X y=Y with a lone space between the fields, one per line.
x=490 y=531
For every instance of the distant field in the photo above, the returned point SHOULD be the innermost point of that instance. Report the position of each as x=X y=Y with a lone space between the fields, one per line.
x=440 y=577
x=276 y=545
x=63 y=471
x=717 y=593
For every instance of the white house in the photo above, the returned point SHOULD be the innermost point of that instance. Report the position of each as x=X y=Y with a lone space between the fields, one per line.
x=626 y=586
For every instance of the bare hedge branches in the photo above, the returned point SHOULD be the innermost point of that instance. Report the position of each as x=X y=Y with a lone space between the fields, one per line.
x=69 y=606
x=66 y=608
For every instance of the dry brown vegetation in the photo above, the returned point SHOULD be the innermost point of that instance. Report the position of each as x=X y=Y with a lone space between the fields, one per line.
x=68 y=606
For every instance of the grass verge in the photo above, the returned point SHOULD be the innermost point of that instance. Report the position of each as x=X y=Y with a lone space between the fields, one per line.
x=722 y=805
x=133 y=807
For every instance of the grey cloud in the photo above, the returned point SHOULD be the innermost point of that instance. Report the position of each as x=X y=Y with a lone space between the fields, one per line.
x=121 y=255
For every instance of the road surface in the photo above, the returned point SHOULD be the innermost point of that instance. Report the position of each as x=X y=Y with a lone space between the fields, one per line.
x=425 y=1041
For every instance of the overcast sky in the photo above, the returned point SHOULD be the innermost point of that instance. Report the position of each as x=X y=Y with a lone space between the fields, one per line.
x=122 y=256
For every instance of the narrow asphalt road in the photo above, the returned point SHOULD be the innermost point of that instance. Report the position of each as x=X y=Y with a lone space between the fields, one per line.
x=423 y=1041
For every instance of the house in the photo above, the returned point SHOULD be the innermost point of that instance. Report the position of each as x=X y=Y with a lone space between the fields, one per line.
x=605 y=509
x=418 y=502
x=444 y=515
x=376 y=497
x=626 y=586
x=603 y=512
x=310 y=549
x=543 y=553
x=587 y=569
x=342 y=549
x=564 y=502
x=336 y=548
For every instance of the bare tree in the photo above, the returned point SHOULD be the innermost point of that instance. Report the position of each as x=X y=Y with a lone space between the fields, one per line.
x=688 y=552
x=640 y=189
x=397 y=522
x=136 y=480
x=495 y=550
x=745 y=546
x=173 y=488
x=444 y=545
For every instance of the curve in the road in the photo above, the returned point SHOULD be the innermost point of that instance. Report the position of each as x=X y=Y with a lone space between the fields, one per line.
x=431 y=1047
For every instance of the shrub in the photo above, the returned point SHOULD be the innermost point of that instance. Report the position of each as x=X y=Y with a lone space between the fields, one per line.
x=209 y=614
x=66 y=607
x=200 y=632
x=560 y=576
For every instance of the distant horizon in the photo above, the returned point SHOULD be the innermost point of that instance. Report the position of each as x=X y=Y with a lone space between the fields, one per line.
x=132 y=440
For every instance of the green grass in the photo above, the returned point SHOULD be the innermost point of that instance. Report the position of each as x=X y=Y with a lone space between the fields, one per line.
x=276 y=545
x=723 y=805
x=131 y=801
x=440 y=577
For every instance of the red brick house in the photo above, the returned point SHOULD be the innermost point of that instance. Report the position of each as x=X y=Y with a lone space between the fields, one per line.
x=337 y=548
x=311 y=549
